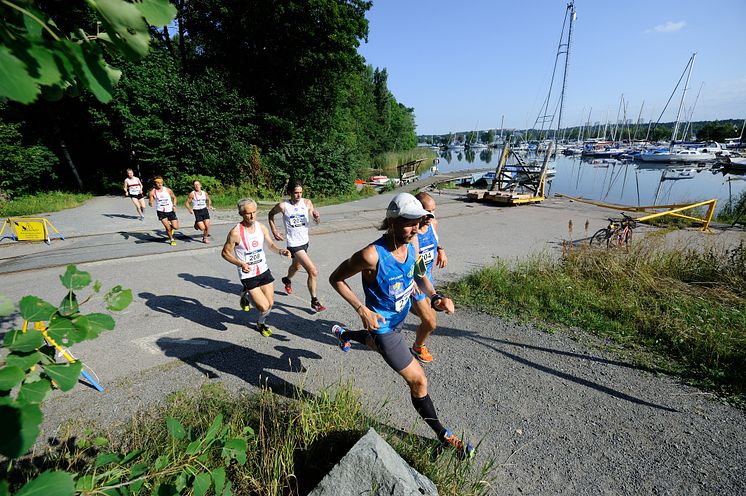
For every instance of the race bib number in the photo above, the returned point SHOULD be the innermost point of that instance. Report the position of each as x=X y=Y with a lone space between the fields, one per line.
x=255 y=257
x=401 y=295
x=164 y=202
x=134 y=190
x=297 y=220
x=428 y=257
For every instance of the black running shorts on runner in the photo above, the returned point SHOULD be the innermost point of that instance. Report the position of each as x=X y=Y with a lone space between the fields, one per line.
x=254 y=282
x=138 y=196
x=393 y=349
x=293 y=249
x=201 y=214
x=167 y=215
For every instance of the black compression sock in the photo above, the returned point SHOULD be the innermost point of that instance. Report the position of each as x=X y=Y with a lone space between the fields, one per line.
x=358 y=336
x=426 y=410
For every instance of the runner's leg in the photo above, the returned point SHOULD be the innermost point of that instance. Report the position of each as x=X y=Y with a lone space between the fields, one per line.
x=427 y=325
x=137 y=205
x=302 y=258
x=169 y=230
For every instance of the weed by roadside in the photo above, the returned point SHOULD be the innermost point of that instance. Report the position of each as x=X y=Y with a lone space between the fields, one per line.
x=686 y=305
x=51 y=201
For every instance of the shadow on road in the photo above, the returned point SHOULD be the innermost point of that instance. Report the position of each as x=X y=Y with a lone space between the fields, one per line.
x=187 y=308
x=244 y=363
x=209 y=282
x=121 y=216
x=157 y=236
x=488 y=343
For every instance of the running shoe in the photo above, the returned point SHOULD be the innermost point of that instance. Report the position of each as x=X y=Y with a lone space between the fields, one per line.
x=464 y=451
x=142 y=218
x=264 y=329
x=206 y=241
x=245 y=301
x=288 y=285
x=316 y=305
x=172 y=242
x=338 y=330
x=421 y=353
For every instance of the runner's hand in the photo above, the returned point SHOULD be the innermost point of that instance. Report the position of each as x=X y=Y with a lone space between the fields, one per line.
x=441 y=260
x=245 y=267
x=445 y=304
x=285 y=253
x=316 y=217
x=371 y=320
x=278 y=236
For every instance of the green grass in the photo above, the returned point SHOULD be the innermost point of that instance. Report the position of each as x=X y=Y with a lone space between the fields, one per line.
x=230 y=196
x=686 y=306
x=389 y=160
x=295 y=442
x=52 y=201
x=733 y=209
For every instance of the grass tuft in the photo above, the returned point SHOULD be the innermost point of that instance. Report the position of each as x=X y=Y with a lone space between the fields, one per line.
x=39 y=203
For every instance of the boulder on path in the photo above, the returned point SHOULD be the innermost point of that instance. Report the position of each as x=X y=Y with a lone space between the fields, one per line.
x=373 y=467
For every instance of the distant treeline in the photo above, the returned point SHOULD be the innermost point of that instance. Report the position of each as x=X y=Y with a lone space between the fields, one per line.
x=242 y=91
x=701 y=130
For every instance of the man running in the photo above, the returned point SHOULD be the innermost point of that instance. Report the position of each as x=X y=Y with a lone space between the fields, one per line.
x=133 y=190
x=432 y=254
x=295 y=214
x=244 y=248
x=387 y=267
x=165 y=200
x=198 y=203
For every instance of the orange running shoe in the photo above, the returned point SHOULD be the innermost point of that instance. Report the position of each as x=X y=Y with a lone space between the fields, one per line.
x=421 y=353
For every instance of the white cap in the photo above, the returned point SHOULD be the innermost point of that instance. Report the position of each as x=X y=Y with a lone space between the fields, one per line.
x=407 y=206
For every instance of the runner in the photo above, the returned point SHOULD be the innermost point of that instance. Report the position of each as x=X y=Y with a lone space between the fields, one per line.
x=431 y=253
x=295 y=212
x=133 y=190
x=165 y=207
x=198 y=203
x=389 y=268
x=244 y=248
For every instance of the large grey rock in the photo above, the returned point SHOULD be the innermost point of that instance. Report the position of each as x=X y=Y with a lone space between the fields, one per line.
x=372 y=467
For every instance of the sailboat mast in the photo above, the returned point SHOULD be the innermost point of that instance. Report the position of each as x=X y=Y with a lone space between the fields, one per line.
x=571 y=11
x=683 y=95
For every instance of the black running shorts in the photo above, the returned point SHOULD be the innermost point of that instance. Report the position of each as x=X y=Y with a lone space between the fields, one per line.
x=167 y=215
x=201 y=214
x=293 y=249
x=254 y=282
x=138 y=196
x=393 y=349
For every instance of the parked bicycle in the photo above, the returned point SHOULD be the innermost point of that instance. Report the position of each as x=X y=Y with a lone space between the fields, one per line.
x=619 y=232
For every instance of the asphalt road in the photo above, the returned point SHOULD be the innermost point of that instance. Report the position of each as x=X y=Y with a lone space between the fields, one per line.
x=558 y=417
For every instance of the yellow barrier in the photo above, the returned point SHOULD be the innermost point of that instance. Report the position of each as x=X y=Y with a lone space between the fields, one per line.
x=28 y=229
x=672 y=210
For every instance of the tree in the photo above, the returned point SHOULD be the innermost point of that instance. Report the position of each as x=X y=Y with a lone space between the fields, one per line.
x=717 y=131
x=38 y=58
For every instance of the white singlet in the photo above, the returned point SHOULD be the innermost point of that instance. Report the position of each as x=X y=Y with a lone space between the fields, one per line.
x=250 y=249
x=134 y=186
x=296 y=223
x=199 y=202
x=163 y=202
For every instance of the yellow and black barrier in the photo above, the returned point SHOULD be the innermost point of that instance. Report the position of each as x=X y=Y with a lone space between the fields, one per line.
x=29 y=229
x=654 y=212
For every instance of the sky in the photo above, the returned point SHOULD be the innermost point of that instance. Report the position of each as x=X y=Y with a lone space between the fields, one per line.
x=465 y=65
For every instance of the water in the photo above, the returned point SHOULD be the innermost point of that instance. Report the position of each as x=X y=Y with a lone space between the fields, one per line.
x=627 y=183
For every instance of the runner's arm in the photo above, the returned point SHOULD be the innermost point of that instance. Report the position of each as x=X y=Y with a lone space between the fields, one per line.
x=209 y=201
x=173 y=197
x=150 y=198
x=314 y=213
x=280 y=251
x=365 y=260
x=437 y=301
x=271 y=221
x=441 y=260
x=228 y=254
x=188 y=203
x=126 y=189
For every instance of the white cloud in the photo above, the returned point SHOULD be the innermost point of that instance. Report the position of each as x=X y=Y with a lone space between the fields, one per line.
x=669 y=27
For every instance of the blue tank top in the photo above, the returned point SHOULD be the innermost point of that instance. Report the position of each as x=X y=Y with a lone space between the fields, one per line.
x=428 y=248
x=389 y=295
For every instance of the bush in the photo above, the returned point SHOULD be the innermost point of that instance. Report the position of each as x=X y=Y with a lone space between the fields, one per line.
x=23 y=169
x=209 y=184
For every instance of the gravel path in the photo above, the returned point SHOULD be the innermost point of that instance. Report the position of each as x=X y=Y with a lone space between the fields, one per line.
x=557 y=416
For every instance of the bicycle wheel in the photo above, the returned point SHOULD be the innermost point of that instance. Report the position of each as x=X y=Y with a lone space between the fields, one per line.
x=600 y=238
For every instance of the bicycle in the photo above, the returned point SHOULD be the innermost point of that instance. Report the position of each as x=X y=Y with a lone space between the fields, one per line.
x=618 y=231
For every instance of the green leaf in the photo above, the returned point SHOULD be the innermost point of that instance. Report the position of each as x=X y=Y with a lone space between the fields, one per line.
x=201 y=484
x=84 y=483
x=248 y=432
x=15 y=81
x=34 y=392
x=20 y=428
x=82 y=329
x=157 y=12
x=73 y=278
x=227 y=490
x=4 y=491
x=60 y=329
x=35 y=309
x=138 y=469
x=181 y=481
x=214 y=428
x=69 y=305
x=10 y=377
x=6 y=306
x=106 y=458
x=125 y=26
x=236 y=448
x=161 y=462
x=193 y=447
x=45 y=70
x=218 y=477
x=23 y=361
x=175 y=428
x=99 y=322
x=118 y=299
x=132 y=455
x=100 y=441
x=64 y=375
x=57 y=483
x=96 y=286
x=23 y=342
x=89 y=67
